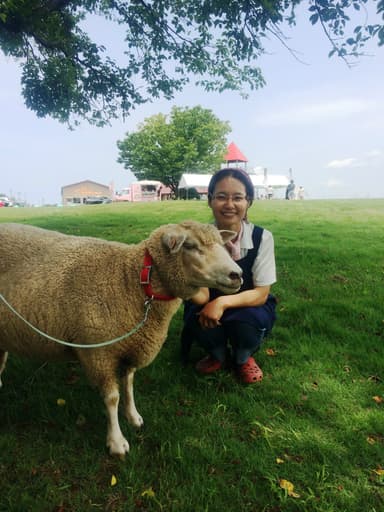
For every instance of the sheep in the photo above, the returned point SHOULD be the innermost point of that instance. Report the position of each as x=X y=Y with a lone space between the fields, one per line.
x=84 y=290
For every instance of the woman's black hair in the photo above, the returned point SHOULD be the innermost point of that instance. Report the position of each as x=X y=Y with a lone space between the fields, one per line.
x=238 y=174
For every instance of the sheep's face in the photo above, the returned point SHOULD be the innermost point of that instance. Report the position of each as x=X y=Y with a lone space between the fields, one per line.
x=201 y=257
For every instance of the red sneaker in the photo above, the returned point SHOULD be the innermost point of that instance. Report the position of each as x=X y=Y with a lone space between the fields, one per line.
x=250 y=372
x=208 y=365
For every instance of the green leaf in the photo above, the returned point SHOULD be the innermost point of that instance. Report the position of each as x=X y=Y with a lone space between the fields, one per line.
x=314 y=18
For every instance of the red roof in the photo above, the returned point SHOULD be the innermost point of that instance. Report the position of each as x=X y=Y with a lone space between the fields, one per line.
x=234 y=154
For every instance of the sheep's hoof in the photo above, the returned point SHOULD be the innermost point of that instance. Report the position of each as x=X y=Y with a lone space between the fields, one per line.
x=136 y=420
x=118 y=447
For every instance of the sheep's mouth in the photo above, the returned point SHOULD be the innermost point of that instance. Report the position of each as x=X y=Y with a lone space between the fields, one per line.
x=228 y=288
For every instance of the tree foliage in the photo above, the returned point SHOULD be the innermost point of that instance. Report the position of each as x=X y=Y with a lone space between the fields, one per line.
x=67 y=75
x=191 y=140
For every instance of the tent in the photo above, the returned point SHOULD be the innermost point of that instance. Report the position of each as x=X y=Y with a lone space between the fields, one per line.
x=198 y=182
x=269 y=180
x=195 y=181
x=262 y=182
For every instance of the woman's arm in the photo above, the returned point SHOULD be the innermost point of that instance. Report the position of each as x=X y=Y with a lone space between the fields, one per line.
x=211 y=313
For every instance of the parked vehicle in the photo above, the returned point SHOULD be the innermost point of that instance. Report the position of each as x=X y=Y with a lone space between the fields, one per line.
x=145 y=190
x=5 y=201
x=97 y=200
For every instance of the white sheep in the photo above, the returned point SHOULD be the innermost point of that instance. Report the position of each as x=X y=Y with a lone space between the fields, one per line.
x=86 y=290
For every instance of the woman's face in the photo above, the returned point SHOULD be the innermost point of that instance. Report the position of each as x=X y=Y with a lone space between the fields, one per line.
x=229 y=203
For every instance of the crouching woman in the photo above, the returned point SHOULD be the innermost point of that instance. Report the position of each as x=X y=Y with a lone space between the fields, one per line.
x=234 y=326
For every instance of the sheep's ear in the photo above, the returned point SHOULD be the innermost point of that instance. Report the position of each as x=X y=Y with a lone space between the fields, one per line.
x=174 y=241
x=227 y=235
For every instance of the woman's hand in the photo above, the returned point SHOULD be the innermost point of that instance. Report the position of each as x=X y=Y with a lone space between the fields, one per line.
x=211 y=313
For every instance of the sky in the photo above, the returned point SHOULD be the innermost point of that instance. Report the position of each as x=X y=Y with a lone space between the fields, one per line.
x=315 y=116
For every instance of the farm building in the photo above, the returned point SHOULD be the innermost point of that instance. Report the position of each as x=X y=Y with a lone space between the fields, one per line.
x=85 y=192
x=234 y=157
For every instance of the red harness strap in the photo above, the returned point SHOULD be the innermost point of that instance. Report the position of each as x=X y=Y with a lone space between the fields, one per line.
x=145 y=276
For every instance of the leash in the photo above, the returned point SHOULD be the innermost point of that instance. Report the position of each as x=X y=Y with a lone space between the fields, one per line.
x=145 y=276
x=147 y=307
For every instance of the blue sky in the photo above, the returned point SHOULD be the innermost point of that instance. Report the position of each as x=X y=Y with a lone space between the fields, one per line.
x=318 y=117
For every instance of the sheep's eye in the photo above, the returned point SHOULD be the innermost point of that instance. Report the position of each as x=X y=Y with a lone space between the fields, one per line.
x=190 y=246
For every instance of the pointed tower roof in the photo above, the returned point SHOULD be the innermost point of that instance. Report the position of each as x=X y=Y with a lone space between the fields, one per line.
x=234 y=154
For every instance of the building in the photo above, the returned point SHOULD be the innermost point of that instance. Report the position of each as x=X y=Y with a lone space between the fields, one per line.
x=234 y=157
x=80 y=193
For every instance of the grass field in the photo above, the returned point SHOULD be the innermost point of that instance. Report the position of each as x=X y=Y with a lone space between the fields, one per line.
x=309 y=438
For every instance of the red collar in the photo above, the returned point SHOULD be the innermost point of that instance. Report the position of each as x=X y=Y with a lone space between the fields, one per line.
x=145 y=276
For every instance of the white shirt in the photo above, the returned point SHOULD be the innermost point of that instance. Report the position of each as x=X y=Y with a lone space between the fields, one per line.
x=264 y=266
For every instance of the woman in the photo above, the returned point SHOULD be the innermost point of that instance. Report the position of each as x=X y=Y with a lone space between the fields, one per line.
x=241 y=320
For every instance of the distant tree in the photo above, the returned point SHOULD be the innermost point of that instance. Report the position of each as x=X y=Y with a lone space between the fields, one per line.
x=68 y=76
x=191 y=140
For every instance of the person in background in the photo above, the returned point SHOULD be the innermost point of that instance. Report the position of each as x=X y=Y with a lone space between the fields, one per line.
x=231 y=328
x=290 y=191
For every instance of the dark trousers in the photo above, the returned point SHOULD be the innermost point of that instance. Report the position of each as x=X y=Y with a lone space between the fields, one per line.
x=242 y=338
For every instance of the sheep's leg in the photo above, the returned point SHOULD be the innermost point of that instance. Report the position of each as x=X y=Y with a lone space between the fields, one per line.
x=116 y=442
x=3 y=362
x=131 y=413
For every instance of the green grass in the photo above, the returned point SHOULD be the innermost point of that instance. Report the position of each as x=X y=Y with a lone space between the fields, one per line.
x=211 y=444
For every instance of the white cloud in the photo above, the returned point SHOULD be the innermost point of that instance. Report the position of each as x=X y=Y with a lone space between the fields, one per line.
x=369 y=159
x=375 y=152
x=340 y=164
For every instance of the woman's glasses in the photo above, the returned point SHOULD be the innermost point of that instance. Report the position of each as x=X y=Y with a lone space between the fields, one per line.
x=224 y=198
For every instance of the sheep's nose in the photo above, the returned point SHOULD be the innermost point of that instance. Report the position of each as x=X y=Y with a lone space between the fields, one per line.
x=236 y=276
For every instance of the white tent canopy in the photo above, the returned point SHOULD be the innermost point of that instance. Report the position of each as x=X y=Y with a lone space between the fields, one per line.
x=194 y=181
x=188 y=181
x=270 y=180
